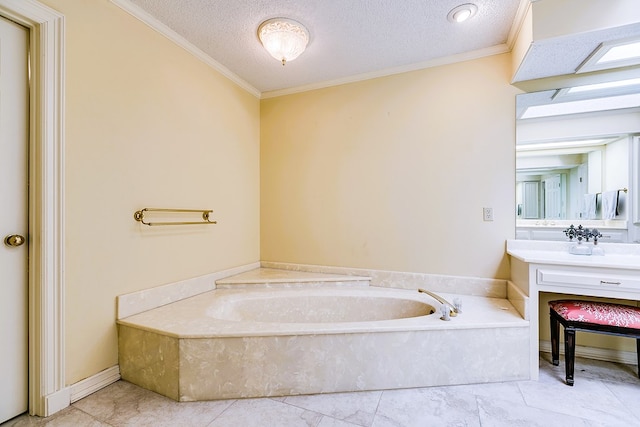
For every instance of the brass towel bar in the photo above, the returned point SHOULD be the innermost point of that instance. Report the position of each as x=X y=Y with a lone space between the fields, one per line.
x=139 y=216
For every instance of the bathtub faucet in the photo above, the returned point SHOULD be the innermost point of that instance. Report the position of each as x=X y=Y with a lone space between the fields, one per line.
x=453 y=310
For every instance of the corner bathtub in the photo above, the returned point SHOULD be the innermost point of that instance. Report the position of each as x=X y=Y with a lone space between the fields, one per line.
x=275 y=342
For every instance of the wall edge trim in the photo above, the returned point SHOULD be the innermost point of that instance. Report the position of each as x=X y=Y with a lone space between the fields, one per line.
x=437 y=62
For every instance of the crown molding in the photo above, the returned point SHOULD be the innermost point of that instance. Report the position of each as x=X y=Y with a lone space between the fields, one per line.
x=152 y=22
x=516 y=26
x=518 y=22
x=462 y=57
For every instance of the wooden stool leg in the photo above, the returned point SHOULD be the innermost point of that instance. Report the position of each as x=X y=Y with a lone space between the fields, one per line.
x=569 y=353
x=555 y=336
x=638 y=353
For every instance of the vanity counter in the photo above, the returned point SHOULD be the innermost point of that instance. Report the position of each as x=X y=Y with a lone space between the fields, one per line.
x=619 y=256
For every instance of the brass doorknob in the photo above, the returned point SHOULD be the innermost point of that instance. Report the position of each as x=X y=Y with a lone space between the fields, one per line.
x=14 y=240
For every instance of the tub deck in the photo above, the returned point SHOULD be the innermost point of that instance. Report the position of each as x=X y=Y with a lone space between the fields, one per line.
x=184 y=319
x=180 y=351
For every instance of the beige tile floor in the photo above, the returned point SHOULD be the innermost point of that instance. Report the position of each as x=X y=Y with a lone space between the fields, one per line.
x=605 y=394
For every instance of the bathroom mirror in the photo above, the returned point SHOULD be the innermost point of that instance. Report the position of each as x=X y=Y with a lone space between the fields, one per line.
x=574 y=156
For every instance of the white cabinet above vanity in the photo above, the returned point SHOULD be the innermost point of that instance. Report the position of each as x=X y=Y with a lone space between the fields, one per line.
x=546 y=266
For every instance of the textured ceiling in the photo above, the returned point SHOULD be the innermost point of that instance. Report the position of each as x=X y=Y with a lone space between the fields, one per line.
x=348 y=38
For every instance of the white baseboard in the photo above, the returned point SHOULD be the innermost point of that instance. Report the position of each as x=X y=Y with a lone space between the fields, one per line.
x=606 y=354
x=94 y=383
x=56 y=402
x=61 y=399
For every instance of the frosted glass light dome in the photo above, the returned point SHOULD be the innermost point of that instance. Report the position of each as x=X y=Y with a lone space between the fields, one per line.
x=284 y=39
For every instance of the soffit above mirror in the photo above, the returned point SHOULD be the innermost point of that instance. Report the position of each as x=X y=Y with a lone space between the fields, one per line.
x=565 y=55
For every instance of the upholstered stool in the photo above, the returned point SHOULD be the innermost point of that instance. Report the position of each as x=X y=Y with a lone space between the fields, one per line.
x=590 y=316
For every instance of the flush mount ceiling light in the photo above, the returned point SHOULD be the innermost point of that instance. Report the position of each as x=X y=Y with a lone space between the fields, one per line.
x=537 y=146
x=284 y=39
x=462 y=13
x=614 y=54
x=583 y=106
x=616 y=87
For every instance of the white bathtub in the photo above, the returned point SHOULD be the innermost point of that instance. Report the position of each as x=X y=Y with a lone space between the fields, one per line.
x=320 y=305
x=274 y=342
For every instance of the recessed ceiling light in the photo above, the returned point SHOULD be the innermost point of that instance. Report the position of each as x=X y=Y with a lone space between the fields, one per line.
x=616 y=87
x=622 y=52
x=536 y=146
x=603 y=86
x=583 y=106
x=462 y=13
x=613 y=54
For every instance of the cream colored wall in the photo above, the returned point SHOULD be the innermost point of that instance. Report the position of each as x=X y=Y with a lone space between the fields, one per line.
x=147 y=125
x=393 y=173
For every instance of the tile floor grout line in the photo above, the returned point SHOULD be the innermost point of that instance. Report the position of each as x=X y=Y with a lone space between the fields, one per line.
x=223 y=411
x=375 y=413
x=322 y=415
x=615 y=395
x=91 y=415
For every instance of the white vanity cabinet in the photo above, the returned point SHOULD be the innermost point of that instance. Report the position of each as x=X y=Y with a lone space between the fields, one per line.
x=592 y=281
x=538 y=266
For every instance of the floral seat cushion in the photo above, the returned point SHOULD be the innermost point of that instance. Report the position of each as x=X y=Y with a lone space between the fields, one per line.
x=600 y=313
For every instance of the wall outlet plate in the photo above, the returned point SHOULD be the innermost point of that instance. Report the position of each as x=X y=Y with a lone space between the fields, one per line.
x=487 y=214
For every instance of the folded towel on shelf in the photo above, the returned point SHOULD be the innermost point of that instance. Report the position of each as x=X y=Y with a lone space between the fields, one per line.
x=589 y=210
x=609 y=204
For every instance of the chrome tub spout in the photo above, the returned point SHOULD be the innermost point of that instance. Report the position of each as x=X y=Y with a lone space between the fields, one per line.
x=453 y=310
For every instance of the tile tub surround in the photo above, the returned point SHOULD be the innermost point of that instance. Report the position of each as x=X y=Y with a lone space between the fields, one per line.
x=492 y=288
x=148 y=299
x=177 y=351
x=281 y=278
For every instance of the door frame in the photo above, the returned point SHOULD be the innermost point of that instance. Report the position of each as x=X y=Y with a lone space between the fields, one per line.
x=47 y=391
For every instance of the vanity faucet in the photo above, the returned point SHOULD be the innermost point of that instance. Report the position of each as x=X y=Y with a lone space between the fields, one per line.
x=582 y=233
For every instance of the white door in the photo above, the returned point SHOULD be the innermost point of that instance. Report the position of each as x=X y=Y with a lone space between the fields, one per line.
x=583 y=188
x=14 y=104
x=531 y=200
x=552 y=197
